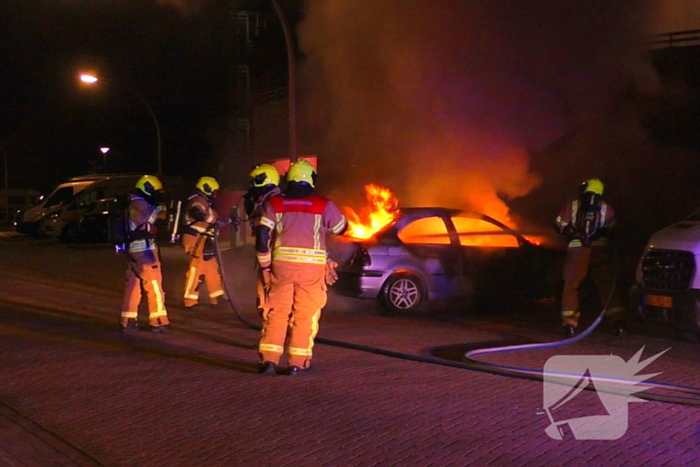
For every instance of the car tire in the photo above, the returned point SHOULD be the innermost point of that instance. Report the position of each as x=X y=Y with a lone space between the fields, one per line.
x=36 y=231
x=69 y=234
x=403 y=293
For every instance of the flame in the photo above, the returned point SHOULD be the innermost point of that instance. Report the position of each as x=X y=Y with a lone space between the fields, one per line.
x=382 y=210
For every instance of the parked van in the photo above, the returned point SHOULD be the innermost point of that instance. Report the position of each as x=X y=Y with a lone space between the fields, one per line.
x=28 y=221
x=64 y=223
x=85 y=217
x=667 y=283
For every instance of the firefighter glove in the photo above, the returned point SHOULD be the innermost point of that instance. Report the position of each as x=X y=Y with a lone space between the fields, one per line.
x=331 y=273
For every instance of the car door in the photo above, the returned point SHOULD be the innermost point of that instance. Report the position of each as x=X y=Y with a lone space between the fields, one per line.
x=490 y=255
x=435 y=251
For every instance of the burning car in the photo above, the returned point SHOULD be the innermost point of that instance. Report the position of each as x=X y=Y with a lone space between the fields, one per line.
x=428 y=254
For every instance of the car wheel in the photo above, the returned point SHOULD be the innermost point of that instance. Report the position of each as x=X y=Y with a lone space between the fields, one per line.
x=403 y=293
x=69 y=234
x=36 y=231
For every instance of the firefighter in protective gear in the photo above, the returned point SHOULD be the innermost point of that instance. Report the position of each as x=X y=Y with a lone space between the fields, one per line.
x=144 y=269
x=588 y=223
x=264 y=183
x=291 y=251
x=198 y=237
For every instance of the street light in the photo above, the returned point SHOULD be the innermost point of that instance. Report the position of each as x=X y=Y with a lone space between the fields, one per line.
x=90 y=79
x=104 y=151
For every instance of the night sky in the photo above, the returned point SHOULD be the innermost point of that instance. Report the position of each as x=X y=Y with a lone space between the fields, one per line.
x=501 y=106
x=52 y=127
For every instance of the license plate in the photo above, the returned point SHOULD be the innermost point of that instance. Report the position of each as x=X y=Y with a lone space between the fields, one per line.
x=659 y=300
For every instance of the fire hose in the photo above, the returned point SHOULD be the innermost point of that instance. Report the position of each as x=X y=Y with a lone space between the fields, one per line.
x=492 y=368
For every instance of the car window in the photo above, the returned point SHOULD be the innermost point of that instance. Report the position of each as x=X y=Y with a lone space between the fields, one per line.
x=431 y=230
x=88 y=199
x=479 y=232
x=60 y=196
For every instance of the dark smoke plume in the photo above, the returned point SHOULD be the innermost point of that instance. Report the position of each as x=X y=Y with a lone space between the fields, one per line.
x=474 y=103
x=187 y=8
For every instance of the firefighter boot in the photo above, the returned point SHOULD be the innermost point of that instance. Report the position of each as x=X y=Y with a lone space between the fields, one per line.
x=267 y=368
x=160 y=324
x=298 y=371
x=191 y=304
x=569 y=330
x=129 y=325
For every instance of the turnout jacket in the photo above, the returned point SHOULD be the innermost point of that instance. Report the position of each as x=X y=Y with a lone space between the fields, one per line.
x=298 y=227
x=142 y=230
x=200 y=221
x=565 y=223
x=200 y=217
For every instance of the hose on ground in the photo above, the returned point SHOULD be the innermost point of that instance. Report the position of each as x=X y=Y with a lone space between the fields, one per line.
x=470 y=364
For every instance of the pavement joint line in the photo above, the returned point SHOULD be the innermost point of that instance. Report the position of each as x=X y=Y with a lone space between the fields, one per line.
x=49 y=438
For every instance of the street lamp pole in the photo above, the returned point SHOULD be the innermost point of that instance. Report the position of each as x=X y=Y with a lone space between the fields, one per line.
x=104 y=151
x=90 y=79
x=7 y=185
x=291 y=65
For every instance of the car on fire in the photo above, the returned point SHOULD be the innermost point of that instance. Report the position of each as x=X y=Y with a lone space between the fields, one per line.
x=429 y=254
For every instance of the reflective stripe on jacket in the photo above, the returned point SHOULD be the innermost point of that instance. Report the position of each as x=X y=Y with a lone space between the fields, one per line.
x=199 y=215
x=142 y=217
x=299 y=227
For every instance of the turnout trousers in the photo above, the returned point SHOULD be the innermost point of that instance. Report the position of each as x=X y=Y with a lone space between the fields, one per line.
x=147 y=278
x=199 y=267
x=596 y=262
x=297 y=294
x=209 y=269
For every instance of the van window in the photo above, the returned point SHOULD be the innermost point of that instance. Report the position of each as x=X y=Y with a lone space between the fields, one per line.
x=59 y=197
x=86 y=200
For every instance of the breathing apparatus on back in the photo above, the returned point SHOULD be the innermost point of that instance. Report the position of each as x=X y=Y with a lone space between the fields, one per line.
x=150 y=189
x=587 y=224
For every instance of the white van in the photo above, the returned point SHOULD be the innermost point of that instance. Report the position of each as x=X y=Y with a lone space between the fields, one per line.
x=29 y=220
x=667 y=283
x=85 y=217
x=64 y=223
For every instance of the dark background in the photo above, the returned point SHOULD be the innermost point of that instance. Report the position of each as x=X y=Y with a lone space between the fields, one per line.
x=499 y=106
x=178 y=61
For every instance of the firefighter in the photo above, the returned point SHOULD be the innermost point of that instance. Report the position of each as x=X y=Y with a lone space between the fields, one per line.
x=294 y=268
x=198 y=237
x=588 y=223
x=264 y=183
x=144 y=270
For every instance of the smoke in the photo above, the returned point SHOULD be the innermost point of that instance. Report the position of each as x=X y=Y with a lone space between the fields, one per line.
x=186 y=8
x=447 y=102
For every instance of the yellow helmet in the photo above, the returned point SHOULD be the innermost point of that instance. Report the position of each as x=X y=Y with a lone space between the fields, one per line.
x=149 y=185
x=207 y=185
x=302 y=171
x=593 y=185
x=264 y=174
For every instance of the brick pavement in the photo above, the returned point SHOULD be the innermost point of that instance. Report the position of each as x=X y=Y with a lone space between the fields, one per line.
x=75 y=392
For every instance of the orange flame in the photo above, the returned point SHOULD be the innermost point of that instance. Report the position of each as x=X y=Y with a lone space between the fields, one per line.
x=382 y=210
